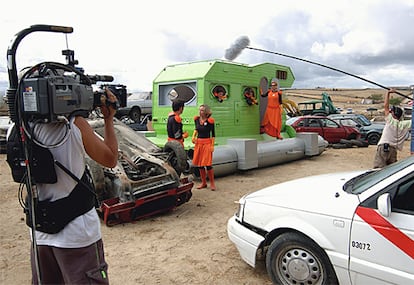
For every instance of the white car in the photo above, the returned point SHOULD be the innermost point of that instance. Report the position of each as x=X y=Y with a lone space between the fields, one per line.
x=5 y=124
x=341 y=228
x=138 y=104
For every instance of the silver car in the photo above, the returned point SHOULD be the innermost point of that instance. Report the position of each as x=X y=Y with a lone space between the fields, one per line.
x=5 y=124
x=138 y=104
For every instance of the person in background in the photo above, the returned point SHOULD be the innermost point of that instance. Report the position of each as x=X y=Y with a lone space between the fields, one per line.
x=203 y=138
x=74 y=254
x=249 y=96
x=394 y=134
x=272 y=120
x=220 y=93
x=174 y=123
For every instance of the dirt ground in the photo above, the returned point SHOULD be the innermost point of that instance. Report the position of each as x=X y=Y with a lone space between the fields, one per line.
x=186 y=246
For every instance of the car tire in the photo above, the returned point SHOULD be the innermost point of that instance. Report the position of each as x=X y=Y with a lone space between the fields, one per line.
x=177 y=157
x=347 y=143
x=339 y=146
x=373 y=138
x=135 y=114
x=359 y=143
x=293 y=258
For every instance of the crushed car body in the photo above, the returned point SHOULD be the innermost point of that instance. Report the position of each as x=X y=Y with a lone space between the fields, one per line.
x=146 y=181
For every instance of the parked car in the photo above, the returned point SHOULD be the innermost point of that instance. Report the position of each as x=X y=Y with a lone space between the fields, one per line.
x=340 y=228
x=330 y=130
x=370 y=132
x=138 y=104
x=5 y=124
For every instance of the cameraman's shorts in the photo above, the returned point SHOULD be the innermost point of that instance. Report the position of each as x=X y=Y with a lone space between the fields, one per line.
x=84 y=265
x=383 y=158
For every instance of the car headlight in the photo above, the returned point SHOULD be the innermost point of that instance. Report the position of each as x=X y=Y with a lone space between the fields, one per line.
x=239 y=213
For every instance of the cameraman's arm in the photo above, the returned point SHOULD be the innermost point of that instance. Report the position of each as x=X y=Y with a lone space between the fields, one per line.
x=105 y=152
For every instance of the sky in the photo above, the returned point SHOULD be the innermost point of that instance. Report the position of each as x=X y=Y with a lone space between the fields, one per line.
x=134 y=40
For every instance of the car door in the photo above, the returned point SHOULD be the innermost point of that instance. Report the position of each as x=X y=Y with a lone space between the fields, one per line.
x=382 y=247
x=313 y=125
x=332 y=131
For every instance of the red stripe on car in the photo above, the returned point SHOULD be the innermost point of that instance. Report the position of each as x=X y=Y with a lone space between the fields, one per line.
x=387 y=230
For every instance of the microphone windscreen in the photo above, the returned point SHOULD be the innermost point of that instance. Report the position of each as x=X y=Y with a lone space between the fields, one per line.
x=236 y=48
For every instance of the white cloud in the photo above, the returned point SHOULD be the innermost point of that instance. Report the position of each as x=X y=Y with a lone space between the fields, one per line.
x=133 y=41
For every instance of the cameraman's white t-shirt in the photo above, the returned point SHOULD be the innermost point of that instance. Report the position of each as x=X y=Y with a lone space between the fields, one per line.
x=85 y=229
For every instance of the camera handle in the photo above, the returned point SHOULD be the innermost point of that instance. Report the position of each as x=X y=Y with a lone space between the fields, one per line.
x=11 y=60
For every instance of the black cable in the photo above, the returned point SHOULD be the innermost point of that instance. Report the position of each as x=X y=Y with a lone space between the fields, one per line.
x=329 y=67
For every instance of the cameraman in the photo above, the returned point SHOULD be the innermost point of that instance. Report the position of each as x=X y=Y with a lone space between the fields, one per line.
x=75 y=254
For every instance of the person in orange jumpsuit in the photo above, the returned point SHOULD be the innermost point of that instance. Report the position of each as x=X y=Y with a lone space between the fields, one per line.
x=272 y=120
x=203 y=138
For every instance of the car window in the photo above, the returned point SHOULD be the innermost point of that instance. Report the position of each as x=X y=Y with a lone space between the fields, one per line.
x=403 y=201
x=292 y=120
x=364 y=120
x=329 y=123
x=313 y=123
x=348 y=122
x=301 y=123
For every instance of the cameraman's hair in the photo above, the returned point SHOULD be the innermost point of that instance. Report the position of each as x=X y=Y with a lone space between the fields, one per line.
x=176 y=105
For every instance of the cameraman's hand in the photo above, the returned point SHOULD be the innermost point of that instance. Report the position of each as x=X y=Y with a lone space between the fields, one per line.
x=108 y=111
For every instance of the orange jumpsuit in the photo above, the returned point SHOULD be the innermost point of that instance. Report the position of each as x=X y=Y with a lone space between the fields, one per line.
x=272 y=120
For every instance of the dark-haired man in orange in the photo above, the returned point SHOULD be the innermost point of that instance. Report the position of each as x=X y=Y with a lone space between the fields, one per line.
x=174 y=123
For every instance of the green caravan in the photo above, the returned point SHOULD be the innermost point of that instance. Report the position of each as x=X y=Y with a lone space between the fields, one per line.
x=236 y=114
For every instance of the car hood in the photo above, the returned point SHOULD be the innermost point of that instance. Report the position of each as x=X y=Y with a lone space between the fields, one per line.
x=317 y=194
x=375 y=126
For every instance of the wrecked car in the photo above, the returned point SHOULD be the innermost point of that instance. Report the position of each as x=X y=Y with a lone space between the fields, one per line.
x=147 y=179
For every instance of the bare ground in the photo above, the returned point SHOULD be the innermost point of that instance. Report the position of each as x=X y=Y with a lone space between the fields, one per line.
x=186 y=246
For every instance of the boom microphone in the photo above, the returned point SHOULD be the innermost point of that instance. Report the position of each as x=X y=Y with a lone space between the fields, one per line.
x=243 y=42
x=240 y=44
x=103 y=78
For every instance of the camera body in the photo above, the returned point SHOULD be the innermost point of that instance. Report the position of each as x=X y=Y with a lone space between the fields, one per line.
x=49 y=97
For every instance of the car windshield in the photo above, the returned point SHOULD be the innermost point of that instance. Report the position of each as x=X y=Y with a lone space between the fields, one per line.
x=364 y=120
x=139 y=96
x=366 y=180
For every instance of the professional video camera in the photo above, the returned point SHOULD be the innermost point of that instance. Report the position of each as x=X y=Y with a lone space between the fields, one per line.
x=50 y=90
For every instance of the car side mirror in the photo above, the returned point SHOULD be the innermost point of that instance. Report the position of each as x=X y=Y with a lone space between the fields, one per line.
x=384 y=204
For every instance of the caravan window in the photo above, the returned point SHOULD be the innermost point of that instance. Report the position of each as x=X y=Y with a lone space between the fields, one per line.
x=185 y=91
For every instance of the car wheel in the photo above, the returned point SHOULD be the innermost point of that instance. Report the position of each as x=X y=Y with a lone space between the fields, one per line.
x=294 y=259
x=373 y=138
x=135 y=114
x=177 y=156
